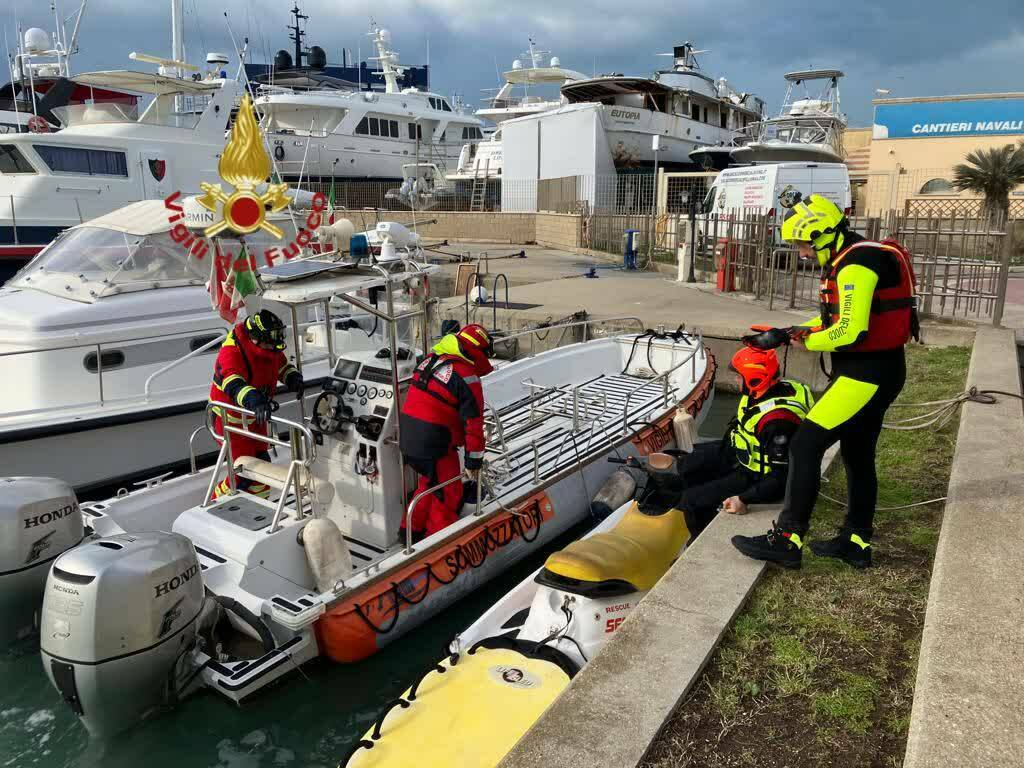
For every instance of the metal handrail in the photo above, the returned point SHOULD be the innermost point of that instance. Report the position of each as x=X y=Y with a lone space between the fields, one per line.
x=180 y=360
x=309 y=443
x=664 y=378
x=415 y=501
x=555 y=326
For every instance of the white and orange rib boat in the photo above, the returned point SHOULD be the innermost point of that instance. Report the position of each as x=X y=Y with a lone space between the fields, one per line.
x=232 y=594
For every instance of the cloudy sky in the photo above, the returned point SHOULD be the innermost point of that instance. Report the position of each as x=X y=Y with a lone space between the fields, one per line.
x=912 y=47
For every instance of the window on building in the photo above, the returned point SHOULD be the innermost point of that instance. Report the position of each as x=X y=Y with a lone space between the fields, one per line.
x=363 y=128
x=938 y=187
x=12 y=161
x=695 y=112
x=86 y=162
x=374 y=126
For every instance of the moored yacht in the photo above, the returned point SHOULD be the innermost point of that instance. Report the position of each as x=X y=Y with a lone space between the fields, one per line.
x=107 y=156
x=809 y=127
x=327 y=134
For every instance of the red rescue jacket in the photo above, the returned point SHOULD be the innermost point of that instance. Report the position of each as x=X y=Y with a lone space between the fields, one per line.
x=444 y=410
x=240 y=361
x=893 y=314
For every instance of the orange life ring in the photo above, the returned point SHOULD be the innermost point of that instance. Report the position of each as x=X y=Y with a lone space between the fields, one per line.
x=37 y=124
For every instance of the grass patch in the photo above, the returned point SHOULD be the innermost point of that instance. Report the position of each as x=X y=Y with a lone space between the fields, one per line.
x=822 y=661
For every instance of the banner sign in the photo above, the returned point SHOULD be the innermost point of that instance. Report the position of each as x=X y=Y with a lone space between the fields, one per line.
x=981 y=117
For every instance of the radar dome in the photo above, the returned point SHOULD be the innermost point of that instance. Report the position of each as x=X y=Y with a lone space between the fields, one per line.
x=282 y=60
x=317 y=57
x=555 y=61
x=216 y=58
x=36 y=40
x=385 y=36
x=517 y=64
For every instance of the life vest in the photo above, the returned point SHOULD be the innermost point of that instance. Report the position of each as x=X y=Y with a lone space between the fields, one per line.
x=444 y=388
x=743 y=436
x=893 y=318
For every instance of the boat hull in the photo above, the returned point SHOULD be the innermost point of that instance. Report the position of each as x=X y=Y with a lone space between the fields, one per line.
x=383 y=611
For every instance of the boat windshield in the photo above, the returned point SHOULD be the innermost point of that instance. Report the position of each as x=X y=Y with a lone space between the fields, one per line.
x=95 y=114
x=87 y=263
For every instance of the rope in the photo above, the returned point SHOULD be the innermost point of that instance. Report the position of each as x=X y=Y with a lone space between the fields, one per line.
x=938 y=417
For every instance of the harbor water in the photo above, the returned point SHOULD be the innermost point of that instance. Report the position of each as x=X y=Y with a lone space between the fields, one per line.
x=310 y=719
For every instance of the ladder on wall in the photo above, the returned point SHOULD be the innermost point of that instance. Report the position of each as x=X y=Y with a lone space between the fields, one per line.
x=479 y=193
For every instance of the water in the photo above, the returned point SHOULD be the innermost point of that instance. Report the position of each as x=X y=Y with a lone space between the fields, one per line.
x=310 y=719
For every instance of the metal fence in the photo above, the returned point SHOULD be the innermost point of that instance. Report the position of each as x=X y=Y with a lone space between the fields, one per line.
x=960 y=265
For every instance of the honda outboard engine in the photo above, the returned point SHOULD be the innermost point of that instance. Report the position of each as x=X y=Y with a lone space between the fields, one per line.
x=39 y=519
x=120 y=616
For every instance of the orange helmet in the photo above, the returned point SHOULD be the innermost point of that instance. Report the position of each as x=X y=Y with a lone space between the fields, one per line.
x=475 y=342
x=758 y=368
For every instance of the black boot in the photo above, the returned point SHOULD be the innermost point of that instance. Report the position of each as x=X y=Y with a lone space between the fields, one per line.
x=777 y=546
x=847 y=546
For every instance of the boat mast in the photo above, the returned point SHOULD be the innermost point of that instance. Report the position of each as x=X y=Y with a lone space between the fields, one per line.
x=177 y=35
x=297 y=34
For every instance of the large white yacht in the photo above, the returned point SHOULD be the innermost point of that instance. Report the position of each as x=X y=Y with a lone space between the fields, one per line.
x=522 y=93
x=107 y=155
x=327 y=134
x=683 y=105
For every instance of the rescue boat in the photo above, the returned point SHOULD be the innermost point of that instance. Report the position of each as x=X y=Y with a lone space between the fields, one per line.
x=506 y=669
x=172 y=591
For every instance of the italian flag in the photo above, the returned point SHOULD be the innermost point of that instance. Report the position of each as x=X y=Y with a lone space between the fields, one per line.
x=231 y=280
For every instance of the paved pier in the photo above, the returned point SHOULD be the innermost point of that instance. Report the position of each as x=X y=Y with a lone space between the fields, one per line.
x=969 y=696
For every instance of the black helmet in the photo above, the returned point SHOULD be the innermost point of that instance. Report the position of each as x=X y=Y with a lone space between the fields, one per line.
x=266 y=328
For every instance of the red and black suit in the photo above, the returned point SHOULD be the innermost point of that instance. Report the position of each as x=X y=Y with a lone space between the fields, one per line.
x=444 y=411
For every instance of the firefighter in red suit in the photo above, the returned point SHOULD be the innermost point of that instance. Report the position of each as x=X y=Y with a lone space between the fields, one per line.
x=249 y=365
x=444 y=410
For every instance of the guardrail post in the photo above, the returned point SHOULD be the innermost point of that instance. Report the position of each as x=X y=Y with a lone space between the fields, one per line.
x=1004 y=275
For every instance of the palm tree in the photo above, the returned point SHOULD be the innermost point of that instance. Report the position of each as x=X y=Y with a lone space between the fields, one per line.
x=992 y=173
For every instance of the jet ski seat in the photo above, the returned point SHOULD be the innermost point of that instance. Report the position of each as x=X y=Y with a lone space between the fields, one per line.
x=630 y=557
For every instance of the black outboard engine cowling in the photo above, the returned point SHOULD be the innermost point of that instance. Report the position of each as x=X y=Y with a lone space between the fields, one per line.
x=120 y=615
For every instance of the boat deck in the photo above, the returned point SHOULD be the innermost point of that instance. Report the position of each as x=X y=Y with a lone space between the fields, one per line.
x=537 y=439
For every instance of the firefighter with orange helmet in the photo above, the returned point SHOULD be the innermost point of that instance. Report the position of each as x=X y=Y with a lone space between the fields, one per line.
x=443 y=411
x=750 y=464
x=249 y=366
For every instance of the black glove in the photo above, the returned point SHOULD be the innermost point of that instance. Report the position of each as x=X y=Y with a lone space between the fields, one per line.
x=259 y=404
x=769 y=339
x=295 y=383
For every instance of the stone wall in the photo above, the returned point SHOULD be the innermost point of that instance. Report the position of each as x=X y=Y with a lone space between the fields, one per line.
x=555 y=230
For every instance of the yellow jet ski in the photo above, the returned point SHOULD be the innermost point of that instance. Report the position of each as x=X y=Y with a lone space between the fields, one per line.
x=470 y=709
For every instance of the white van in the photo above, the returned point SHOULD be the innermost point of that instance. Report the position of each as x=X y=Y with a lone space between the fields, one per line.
x=755 y=189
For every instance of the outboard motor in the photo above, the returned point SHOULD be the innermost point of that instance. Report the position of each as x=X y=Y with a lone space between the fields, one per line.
x=119 y=616
x=39 y=519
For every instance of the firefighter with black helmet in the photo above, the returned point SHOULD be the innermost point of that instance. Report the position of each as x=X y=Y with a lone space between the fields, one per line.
x=249 y=366
x=443 y=411
x=867 y=316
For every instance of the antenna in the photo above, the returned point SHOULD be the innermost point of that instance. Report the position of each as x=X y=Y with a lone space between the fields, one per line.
x=297 y=33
